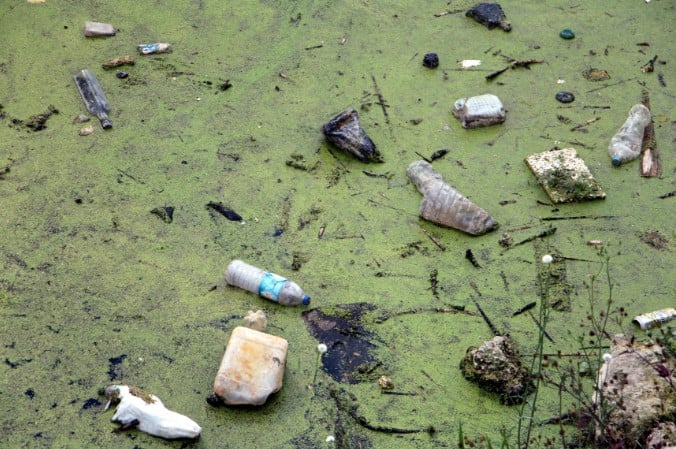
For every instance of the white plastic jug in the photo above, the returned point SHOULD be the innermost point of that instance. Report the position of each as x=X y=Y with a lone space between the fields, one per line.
x=252 y=367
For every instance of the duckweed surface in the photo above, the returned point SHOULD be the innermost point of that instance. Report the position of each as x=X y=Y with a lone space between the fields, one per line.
x=95 y=288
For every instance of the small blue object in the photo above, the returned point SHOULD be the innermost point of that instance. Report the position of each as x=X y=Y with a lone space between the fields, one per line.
x=271 y=285
x=616 y=161
x=565 y=97
x=567 y=33
x=306 y=300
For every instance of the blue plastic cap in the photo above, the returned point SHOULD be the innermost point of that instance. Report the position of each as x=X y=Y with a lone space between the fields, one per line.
x=306 y=300
x=616 y=161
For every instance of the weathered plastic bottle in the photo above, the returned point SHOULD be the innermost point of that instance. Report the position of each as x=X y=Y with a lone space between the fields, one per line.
x=444 y=205
x=625 y=146
x=653 y=319
x=252 y=367
x=93 y=96
x=268 y=285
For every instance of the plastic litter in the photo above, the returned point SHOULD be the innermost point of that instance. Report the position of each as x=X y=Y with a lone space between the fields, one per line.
x=345 y=132
x=567 y=33
x=443 y=205
x=565 y=97
x=93 y=96
x=252 y=367
x=146 y=412
x=656 y=318
x=266 y=284
x=625 y=146
x=147 y=49
x=96 y=29
x=482 y=110
x=489 y=15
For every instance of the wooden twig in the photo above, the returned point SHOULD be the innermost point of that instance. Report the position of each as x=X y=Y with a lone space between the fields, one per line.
x=650 y=157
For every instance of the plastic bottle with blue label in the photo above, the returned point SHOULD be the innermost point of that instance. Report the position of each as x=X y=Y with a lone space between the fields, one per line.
x=266 y=284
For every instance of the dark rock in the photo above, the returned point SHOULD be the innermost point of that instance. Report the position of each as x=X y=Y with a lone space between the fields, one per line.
x=431 y=60
x=489 y=15
x=567 y=33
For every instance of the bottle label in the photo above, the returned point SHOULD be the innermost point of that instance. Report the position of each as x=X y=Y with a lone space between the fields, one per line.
x=270 y=286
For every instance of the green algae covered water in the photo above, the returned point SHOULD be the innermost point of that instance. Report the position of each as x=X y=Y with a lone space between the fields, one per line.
x=94 y=288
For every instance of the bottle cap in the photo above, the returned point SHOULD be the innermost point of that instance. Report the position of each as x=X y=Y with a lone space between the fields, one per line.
x=306 y=300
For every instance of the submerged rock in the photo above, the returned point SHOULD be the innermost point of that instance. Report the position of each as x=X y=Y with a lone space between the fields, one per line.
x=495 y=366
x=489 y=15
x=637 y=385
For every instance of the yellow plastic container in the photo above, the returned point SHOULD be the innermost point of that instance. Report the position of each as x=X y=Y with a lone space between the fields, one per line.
x=252 y=367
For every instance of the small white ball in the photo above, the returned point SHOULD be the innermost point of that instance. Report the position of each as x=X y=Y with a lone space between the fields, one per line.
x=321 y=347
x=547 y=258
x=607 y=357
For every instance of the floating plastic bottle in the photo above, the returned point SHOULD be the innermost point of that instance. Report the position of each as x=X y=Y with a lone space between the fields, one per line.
x=93 y=96
x=444 y=205
x=625 y=146
x=252 y=367
x=147 y=49
x=268 y=285
x=653 y=319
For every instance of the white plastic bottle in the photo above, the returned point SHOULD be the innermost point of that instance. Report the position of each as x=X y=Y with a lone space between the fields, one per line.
x=268 y=285
x=625 y=146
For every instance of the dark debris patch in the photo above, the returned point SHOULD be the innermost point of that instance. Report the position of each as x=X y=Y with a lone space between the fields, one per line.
x=224 y=210
x=115 y=367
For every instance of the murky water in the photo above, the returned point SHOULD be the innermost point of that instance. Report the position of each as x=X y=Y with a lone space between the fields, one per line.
x=95 y=288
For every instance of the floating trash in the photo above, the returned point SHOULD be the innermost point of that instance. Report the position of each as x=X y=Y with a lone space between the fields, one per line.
x=117 y=62
x=489 y=15
x=564 y=176
x=656 y=318
x=145 y=411
x=345 y=132
x=252 y=368
x=467 y=63
x=431 y=60
x=443 y=205
x=482 y=110
x=265 y=284
x=96 y=29
x=625 y=146
x=93 y=96
x=565 y=97
x=147 y=49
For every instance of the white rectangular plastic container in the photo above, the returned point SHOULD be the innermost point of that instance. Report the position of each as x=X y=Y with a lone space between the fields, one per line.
x=252 y=367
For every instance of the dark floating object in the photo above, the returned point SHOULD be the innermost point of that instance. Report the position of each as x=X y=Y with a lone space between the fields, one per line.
x=567 y=33
x=345 y=132
x=489 y=15
x=93 y=96
x=122 y=75
x=565 y=97
x=224 y=210
x=431 y=60
x=165 y=213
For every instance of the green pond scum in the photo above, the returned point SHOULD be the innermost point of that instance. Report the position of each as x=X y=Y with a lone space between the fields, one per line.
x=96 y=287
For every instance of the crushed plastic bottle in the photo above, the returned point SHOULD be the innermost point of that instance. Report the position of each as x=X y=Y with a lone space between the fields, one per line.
x=266 y=284
x=442 y=204
x=489 y=15
x=252 y=368
x=625 y=146
x=93 y=96
x=147 y=49
x=482 y=110
x=656 y=318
